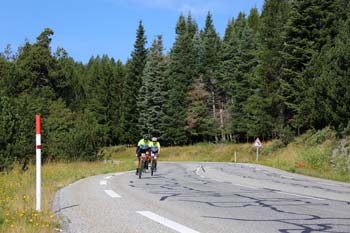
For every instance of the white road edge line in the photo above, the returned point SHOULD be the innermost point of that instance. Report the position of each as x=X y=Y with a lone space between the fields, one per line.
x=108 y=177
x=329 y=184
x=297 y=195
x=103 y=182
x=112 y=194
x=167 y=222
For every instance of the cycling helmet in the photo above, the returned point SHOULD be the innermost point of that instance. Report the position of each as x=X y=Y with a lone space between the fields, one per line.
x=145 y=137
x=154 y=139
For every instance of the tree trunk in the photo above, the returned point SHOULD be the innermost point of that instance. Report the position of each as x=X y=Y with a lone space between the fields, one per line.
x=223 y=136
x=214 y=114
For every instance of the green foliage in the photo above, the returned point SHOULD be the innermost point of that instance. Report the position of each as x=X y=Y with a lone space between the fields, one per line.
x=276 y=145
x=274 y=17
x=131 y=87
x=342 y=165
x=181 y=74
x=57 y=127
x=17 y=129
x=199 y=121
x=1 y=218
x=315 y=158
x=321 y=136
x=152 y=92
x=7 y=134
x=86 y=138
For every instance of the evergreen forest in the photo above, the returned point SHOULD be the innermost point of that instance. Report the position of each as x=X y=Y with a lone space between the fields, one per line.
x=274 y=74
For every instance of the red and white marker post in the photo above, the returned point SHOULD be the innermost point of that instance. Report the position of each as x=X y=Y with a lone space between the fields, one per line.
x=38 y=162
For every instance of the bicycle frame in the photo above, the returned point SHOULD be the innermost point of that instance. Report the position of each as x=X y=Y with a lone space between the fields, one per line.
x=154 y=158
x=143 y=159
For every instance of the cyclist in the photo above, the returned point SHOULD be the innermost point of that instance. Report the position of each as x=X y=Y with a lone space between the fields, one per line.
x=143 y=146
x=155 y=150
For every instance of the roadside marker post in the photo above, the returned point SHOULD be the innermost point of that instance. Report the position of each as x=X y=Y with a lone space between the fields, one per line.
x=38 y=161
x=258 y=145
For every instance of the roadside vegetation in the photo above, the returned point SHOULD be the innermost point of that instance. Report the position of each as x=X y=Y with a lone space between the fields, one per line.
x=319 y=154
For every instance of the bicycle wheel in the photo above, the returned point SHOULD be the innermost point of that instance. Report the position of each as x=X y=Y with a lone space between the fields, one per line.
x=152 y=167
x=142 y=164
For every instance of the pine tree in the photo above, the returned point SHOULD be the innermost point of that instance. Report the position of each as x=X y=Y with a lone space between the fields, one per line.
x=181 y=73
x=153 y=90
x=254 y=20
x=34 y=63
x=328 y=73
x=270 y=101
x=211 y=59
x=116 y=101
x=312 y=25
x=238 y=62
x=63 y=76
x=199 y=121
x=132 y=85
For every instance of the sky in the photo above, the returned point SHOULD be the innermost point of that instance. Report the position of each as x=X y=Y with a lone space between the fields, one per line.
x=86 y=28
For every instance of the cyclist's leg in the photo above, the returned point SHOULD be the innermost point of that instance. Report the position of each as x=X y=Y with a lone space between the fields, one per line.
x=156 y=160
x=138 y=163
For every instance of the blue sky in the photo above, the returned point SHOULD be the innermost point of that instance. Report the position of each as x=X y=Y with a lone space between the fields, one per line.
x=88 y=28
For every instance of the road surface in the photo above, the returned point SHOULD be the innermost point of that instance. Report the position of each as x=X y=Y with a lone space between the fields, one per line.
x=204 y=197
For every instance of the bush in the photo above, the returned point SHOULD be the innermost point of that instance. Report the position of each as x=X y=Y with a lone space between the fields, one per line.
x=17 y=129
x=85 y=139
x=287 y=135
x=276 y=144
x=321 y=136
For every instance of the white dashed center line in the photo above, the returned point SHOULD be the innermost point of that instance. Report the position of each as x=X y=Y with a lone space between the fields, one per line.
x=103 y=182
x=112 y=194
x=167 y=222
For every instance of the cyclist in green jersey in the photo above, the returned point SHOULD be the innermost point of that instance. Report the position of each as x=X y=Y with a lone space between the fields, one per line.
x=155 y=149
x=143 y=146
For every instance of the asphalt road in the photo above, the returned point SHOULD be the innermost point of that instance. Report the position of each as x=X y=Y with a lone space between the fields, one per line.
x=205 y=197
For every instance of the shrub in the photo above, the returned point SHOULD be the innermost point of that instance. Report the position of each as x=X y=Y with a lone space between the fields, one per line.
x=276 y=144
x=321 y=136
x=287 y=135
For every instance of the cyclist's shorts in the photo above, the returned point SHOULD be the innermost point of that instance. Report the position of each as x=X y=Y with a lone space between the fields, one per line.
x=139 y=151
x=155 y=154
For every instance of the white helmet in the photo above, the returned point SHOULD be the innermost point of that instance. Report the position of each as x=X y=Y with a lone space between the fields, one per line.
x=154 y=139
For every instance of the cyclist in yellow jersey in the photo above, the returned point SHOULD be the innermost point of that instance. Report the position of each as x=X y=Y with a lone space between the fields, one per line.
x=155 y=149
x=143 y=146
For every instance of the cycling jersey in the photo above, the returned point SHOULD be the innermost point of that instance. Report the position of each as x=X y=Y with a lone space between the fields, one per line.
x=154 y=147
x=144 y=145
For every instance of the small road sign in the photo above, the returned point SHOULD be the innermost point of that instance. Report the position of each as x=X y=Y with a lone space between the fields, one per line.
x=257 y=143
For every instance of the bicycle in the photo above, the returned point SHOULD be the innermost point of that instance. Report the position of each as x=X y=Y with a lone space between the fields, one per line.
x=143 y=160
x=154 y=158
